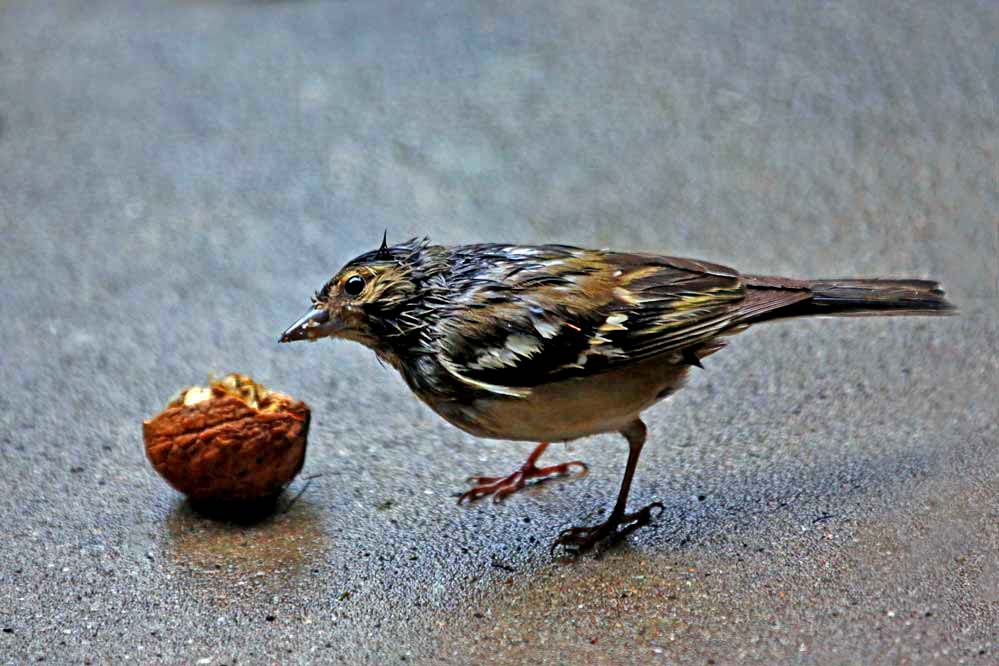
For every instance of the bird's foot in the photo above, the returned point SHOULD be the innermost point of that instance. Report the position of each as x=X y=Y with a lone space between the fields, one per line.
x=501 y=486
x=577 y=540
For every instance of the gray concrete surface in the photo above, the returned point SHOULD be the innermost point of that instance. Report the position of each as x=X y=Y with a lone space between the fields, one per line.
x=176 y=178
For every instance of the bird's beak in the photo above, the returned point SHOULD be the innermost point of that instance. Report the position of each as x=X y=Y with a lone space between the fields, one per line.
x=314 y=324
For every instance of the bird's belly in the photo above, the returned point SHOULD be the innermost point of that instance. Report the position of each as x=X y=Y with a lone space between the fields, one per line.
x=574 y=408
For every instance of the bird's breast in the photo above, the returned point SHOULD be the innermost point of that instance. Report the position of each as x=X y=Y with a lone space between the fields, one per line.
x=563 y=410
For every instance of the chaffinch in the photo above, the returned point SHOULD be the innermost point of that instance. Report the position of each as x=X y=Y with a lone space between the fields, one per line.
x=551 y=343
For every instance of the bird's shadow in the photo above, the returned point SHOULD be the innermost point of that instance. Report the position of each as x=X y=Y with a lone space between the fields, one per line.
x=755 y=506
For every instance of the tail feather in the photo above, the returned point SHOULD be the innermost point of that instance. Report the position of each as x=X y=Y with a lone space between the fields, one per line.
x=860 y=297
x=848 y=297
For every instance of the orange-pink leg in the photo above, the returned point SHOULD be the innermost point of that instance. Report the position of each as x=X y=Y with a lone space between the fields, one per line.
x=501 y=486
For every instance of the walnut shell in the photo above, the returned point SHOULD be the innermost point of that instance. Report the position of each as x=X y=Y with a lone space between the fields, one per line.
x=230 y=441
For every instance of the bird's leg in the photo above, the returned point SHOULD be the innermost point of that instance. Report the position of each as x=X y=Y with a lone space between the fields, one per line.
x=579 y=539
x=501 y=486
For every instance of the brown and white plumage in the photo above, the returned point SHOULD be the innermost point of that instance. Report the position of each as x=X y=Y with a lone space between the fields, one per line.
x=552 y=342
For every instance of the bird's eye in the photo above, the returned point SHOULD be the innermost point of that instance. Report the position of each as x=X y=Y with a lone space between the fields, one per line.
x=354 y=285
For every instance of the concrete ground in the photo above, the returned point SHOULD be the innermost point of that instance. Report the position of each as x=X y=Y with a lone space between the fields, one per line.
x=177 y=177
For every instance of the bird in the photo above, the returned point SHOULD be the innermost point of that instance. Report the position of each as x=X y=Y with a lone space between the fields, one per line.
x=552 y=343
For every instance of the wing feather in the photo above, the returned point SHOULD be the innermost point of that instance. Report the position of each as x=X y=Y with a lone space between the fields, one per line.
x=525 y=316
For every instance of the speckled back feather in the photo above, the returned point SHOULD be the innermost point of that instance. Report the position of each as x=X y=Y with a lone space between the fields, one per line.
x=505 y=318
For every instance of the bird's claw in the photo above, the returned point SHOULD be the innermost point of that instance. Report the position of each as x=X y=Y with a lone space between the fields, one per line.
x=502 y=486
x=578 y=540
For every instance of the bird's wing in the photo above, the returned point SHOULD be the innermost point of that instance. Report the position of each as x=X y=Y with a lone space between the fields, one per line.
x=525 y=316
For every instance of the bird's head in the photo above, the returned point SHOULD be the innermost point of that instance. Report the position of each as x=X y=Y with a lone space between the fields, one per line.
x=368 y=300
